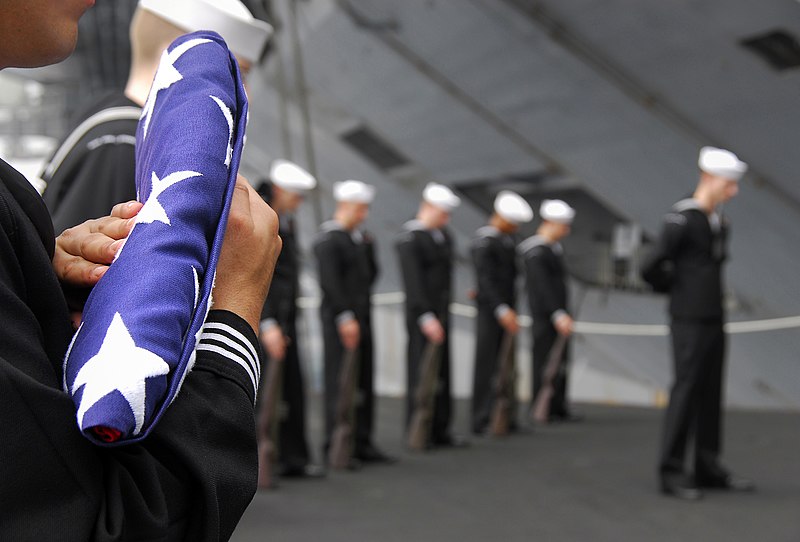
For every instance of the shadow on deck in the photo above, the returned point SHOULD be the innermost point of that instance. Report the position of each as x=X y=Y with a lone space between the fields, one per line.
x=589 y=481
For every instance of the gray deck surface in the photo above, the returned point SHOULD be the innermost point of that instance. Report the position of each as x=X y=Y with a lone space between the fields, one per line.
x=591 y=481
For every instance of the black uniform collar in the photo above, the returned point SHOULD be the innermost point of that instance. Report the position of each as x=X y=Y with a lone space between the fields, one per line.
x=332 y=225
x=691 y=204
x=437 y=234
x=538 y=241
x=688 y=204
x=491 y=231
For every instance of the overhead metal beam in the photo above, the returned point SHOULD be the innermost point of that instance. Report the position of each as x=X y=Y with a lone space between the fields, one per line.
x=385 y=31
x=637 y=91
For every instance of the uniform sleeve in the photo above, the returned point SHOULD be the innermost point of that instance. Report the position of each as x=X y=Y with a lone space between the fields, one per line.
x=207 y=437
x=658 y=267
x=372 y=260
x=196 y=473
x=330 y=266
x=413 y=275
x=277 y=306
x=269 y=311
x=190 y=480
x=105 y=177
x=485 y=271
x=541 y=282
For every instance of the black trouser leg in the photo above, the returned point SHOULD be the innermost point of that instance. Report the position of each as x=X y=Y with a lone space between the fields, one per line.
x=693 y=348
x=332 y=366
x=487 y=345
x=365 y=399
x=416 y=344
x=443 y=407
x=558 y=404
x=544 y=335
x=708 y=437
x=293 y=445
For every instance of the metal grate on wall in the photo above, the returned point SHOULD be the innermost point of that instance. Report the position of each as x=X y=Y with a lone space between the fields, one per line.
x=372 y=147
x=778 y=48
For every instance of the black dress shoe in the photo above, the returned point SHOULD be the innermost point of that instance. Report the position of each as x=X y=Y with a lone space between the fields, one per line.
x=450 y=441
x=309 y=470
x=373 y=454
x=680 y=487
x=481 y=434
x=353 y=463
x=728 y=482
x=518 y=429
x=270 y=483
x=566 y=417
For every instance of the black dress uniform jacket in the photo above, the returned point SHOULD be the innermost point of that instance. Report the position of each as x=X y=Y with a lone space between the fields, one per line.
x=687 y=263
x=281 y=307
x=546 y=283
x=546 y=277
x=191 y=479
x=347 y=270
x=495 y=259
x=426 y=264
x=95 y=166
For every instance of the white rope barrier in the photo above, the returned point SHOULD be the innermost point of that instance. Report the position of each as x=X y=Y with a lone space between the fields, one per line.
x=770 y=324
x=588 y=328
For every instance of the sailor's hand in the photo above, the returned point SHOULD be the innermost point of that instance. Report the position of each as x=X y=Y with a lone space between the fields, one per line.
x=433 y=330
x=349 y=333
x=509 y=321
x=564 y=325
x=249 y=252
x=274 y=342
x=84 y=252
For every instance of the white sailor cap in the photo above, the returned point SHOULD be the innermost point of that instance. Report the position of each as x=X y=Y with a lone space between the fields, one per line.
x=245 y=35
x=512 y=207
x=555 y=210
x=721 y=163
x=353 y=191
x=291 y=177
x=440 y=196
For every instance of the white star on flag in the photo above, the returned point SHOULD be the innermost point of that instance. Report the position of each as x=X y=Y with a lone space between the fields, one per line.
x=166 y=76
x=120 y=366
x=152 y=210
x=228 y=117
x=196 y=287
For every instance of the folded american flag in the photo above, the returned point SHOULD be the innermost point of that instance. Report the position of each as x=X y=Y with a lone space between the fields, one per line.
x=142 y=321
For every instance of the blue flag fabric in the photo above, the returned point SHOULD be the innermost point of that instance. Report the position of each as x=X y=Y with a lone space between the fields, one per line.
x=142 y=321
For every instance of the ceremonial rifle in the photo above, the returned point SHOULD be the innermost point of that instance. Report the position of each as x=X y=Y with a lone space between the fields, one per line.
x=268 y=422
x=504 y=388
x=419 y=430
x=540 y=411
x=341 y=446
